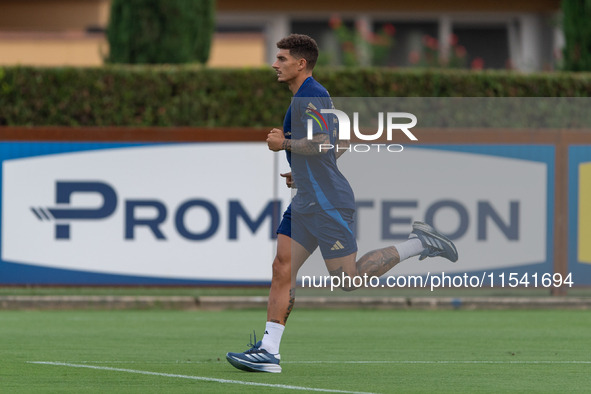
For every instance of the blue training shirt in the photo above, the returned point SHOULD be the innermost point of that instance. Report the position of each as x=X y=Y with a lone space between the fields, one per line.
x=321 y=186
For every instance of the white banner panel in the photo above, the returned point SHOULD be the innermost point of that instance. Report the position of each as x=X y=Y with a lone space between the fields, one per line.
x=168 y=211
x=203 y=211
x=494 y=208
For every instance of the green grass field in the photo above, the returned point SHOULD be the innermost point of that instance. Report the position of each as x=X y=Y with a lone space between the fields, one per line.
x=264 y=291
x=355 y=351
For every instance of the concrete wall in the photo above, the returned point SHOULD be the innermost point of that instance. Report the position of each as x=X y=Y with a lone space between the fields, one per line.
x=52 y=49
x=54 y=33
x=53 y=15
x=81 y=49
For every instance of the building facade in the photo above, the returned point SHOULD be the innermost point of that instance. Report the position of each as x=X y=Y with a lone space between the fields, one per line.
x=518 y=34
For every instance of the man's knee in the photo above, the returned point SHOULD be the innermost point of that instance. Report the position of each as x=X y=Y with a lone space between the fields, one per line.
x=281 y=265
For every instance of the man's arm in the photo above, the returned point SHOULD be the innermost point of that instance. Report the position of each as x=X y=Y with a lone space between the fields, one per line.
x=307 y=147
x=277 y=141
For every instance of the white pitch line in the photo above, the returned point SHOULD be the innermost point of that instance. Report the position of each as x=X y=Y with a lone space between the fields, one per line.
x=136 y=362
x=169 y=375
x=436 y=362
x=329 y=362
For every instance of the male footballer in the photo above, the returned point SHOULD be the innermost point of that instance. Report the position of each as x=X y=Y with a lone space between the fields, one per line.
x=321 y=213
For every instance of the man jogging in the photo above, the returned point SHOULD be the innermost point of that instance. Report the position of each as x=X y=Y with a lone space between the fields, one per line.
x=321 y=213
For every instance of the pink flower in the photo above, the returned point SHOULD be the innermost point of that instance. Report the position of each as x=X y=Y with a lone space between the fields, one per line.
x=426 y=39
x=335 y=22
x=389 y=29
x=453 y=40
x=460 y=51
x=414 y=57
x=477 y=63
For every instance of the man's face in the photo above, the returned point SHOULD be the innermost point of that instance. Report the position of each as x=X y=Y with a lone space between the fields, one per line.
x=286 y=66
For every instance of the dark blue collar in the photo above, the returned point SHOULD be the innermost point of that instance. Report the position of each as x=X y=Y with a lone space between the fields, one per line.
x=307 y=79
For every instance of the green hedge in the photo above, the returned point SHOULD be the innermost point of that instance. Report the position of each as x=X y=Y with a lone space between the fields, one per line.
x=196 y=96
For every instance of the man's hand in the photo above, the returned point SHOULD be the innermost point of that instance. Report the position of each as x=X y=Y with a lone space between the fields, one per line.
x=288 y=180
x=275 y=140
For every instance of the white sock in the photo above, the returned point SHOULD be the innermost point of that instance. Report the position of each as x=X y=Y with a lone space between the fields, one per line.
x=410 y=248
x=272 y=337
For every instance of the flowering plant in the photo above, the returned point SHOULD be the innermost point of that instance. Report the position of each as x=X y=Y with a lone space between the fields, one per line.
x=360 y=45
x=430 y=56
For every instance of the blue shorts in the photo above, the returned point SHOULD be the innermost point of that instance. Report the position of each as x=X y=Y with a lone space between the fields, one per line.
x=330 y=229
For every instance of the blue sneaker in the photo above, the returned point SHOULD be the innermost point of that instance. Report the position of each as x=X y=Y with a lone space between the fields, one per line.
x=255 y=359
x=435 y=243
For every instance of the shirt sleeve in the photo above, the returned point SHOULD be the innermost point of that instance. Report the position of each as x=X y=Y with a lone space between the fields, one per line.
x=310 y=111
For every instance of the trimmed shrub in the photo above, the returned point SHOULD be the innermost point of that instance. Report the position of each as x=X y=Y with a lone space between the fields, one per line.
x=197 y=96
x=577 y=33
x=160 y=31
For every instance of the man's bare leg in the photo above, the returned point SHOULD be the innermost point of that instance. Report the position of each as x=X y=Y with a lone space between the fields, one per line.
x=375 y=263
x=423 y=240
x=290 y=257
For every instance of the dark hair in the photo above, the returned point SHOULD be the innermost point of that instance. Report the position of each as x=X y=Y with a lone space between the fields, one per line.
x=301 y=46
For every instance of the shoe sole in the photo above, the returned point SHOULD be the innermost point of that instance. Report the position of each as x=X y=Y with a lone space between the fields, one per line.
x=424 y=227
x=253 y=367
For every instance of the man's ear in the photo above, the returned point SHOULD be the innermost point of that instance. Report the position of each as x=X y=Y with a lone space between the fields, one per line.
x=301 y=64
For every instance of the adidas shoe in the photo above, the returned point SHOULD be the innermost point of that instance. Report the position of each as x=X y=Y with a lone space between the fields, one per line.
x=255 y=359
x=435 y=243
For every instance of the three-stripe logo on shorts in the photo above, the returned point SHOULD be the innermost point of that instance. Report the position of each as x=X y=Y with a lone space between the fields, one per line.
x=337 y=246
